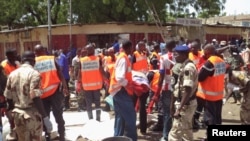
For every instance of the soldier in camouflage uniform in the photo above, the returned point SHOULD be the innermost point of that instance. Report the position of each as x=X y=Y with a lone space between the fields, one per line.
x=76 y=64
x=242 y=79
x=23 y=97
x=236 y=62
x=183 y=102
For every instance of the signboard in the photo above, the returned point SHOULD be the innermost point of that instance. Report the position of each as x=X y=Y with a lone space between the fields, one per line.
x=189 y=22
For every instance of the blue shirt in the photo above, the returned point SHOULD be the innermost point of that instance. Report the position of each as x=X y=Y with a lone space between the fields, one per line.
x=64 y=65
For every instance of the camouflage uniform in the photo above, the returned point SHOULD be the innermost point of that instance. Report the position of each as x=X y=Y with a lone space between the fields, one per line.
x=235 y=61
x=241 y=78
x=80 y=95
x=182 y=127
x=22 y=85
x=80 y=100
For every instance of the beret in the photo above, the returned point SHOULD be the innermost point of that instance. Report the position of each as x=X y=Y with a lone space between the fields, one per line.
x=181 y=48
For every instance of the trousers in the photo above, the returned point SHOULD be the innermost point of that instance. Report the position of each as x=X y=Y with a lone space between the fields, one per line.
x=55 y=103
x=125 y=115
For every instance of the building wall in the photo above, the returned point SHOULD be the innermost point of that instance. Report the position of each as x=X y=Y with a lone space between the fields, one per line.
x=223 y=33
x=26 y=39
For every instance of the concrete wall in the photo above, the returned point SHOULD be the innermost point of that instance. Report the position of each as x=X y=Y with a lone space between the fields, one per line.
x=21 y=38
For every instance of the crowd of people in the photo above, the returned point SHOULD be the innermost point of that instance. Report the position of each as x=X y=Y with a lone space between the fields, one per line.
x=179 y=86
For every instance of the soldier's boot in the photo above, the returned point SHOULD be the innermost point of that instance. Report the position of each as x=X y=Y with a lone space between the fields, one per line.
x=159 y=125
x=90 y=115
x=98 y=115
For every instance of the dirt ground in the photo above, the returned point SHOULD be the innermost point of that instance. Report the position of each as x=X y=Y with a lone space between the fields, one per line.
x=230 y=116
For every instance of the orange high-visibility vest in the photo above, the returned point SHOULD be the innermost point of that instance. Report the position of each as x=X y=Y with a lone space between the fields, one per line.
x=111 y=67
x=108 y=60
x=50 y=79
x=155 y=80
x=90 y=71
x=114 y=85
x=201 y=63
x=212 y=88
x=195 y=58
x=110 y=64
x=158 y=58
x=8 y=68
x=141 y=63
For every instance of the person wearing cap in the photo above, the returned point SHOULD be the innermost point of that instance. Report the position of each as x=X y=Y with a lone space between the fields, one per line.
x=183 y=100
x=213 y=70
x=23 y=97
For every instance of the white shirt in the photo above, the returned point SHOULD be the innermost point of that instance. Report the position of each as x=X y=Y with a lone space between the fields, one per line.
x=75 y=60
x=120 y=72
x=166 y=63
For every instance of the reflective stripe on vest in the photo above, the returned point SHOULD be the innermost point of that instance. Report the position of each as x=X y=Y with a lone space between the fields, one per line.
x=92 y=84
x=114 y=85
x=140 y=58
x=51 y=87
x=90 y=73
x=212 y=88
x=210 y=92
x=50 y=80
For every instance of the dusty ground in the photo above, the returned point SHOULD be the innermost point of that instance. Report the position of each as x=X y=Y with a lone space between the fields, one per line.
x=230 y=115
